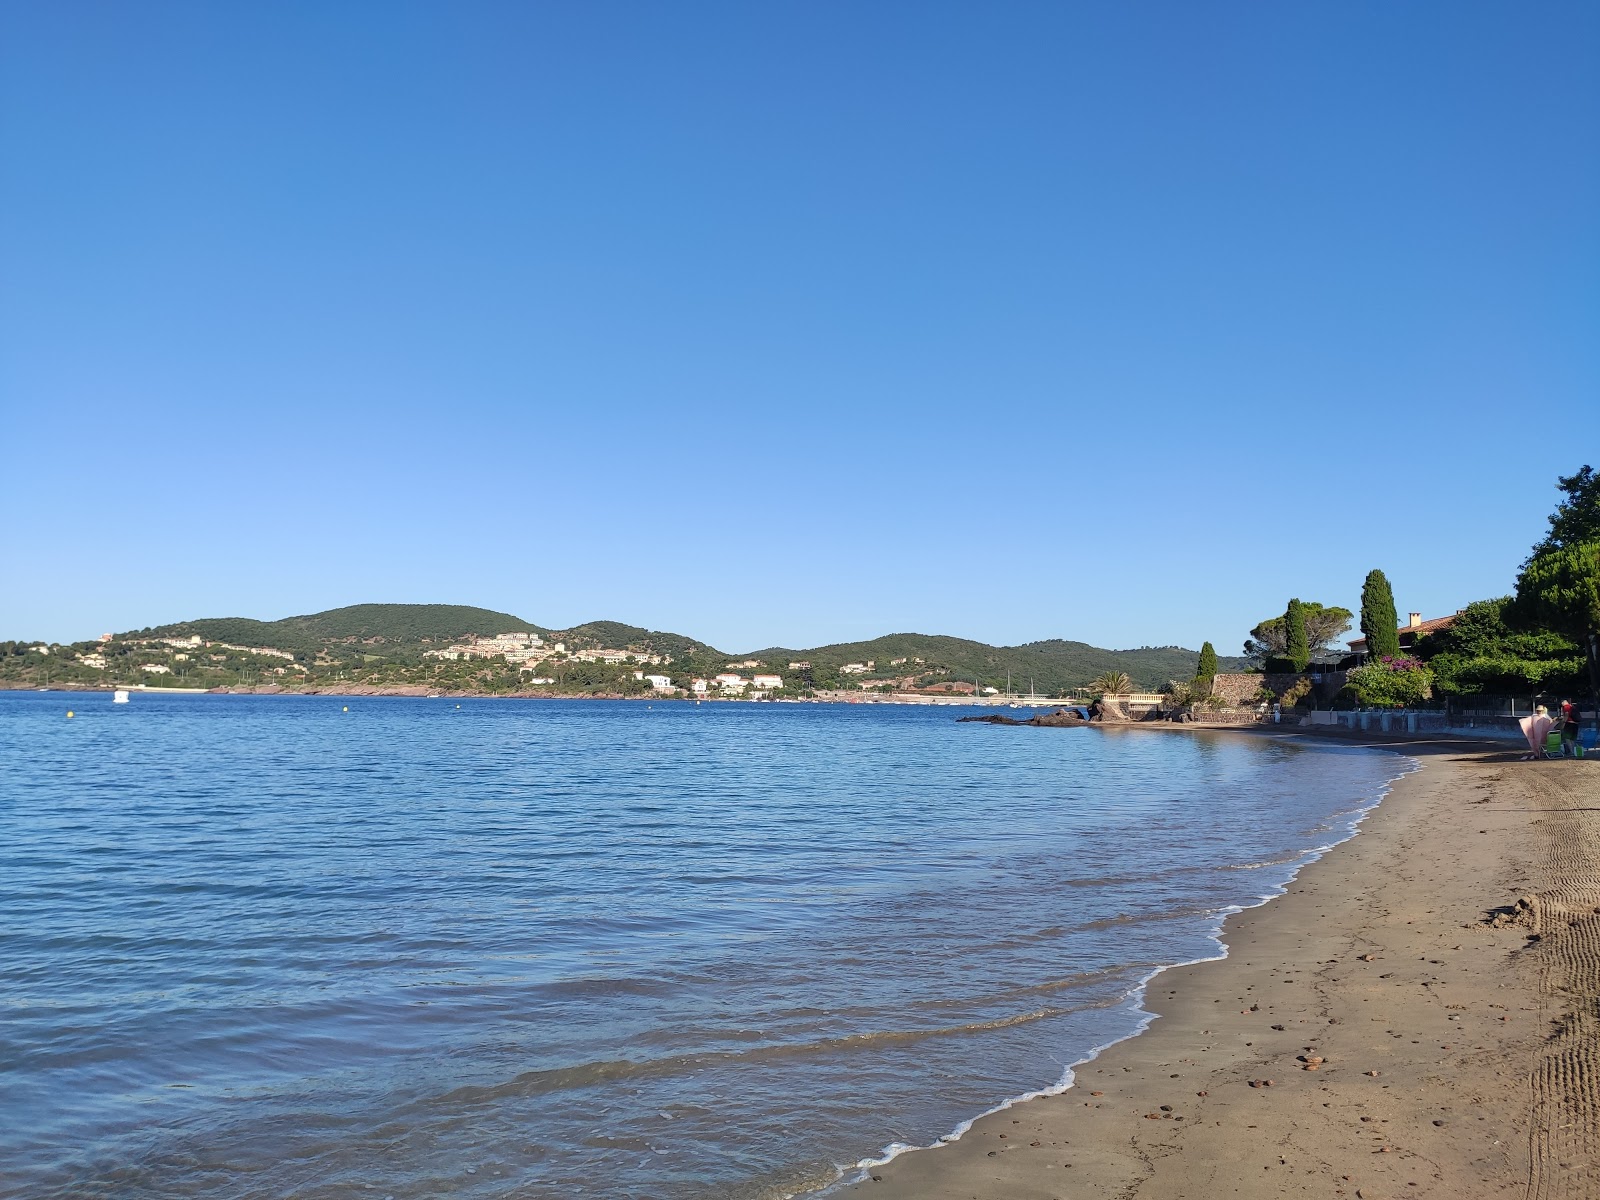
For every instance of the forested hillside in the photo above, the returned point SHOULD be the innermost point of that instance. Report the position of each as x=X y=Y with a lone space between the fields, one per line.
x=1052 y=666
x=391 y=644
x=397 y=623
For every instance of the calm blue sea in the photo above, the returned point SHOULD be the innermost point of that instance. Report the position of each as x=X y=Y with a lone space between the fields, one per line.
x=267 y=947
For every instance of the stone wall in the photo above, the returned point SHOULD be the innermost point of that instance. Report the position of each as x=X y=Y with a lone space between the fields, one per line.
x=1239 y=691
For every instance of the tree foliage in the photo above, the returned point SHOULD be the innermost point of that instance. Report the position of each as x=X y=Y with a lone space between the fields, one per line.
x=1206 y=672
x=1559 y=586
x=1560 y=590
x=1379 y=621
x=1577 y=518
x=1112 y=683
x=1483 y=653
x=1297 y=645
x=1324 y=625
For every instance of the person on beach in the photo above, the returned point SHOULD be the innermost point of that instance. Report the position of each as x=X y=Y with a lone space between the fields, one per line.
x=1535 y=728
x=1569 y=729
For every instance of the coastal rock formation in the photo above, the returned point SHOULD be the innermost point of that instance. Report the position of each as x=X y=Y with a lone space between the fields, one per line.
x=1057 y=717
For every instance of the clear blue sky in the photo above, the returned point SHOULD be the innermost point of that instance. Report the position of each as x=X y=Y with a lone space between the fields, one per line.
x=791 y=323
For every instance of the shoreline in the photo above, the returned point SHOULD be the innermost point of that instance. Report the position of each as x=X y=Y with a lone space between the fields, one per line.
x=417 y=691
x=870 y=1169
x=1290 y=984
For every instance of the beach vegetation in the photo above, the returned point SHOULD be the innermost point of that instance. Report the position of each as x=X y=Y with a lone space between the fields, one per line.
x=1379 y=621
x=1392 y=681
x=1484 y=653
x=1187 y=693
x=1295 y=692
x=1180 y=694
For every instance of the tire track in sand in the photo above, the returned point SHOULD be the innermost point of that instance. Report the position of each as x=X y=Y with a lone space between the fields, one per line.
x=1564 y=917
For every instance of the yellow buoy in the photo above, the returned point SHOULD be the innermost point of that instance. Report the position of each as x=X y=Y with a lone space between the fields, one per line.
x=69 y=712
x=347 y=708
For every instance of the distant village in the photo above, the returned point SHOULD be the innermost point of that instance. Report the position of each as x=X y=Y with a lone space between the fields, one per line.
x=529 y=652
x=184 y=649
x=167 y=661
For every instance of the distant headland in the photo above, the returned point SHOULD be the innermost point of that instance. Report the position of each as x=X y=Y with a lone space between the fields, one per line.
x=452 y=649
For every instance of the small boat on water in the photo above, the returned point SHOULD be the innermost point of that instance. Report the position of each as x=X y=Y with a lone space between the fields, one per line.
x=120 y=696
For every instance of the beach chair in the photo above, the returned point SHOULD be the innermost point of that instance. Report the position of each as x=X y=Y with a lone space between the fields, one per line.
x=1552 y=744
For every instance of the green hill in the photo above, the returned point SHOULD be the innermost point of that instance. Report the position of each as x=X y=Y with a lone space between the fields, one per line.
x=1051 y=666
x=399 y=624
x=393 y=637
x=617 y=636
x=408 y=622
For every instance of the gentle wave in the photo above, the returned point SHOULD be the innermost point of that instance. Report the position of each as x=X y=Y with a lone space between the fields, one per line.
x=862 y=1169
x=259 y=946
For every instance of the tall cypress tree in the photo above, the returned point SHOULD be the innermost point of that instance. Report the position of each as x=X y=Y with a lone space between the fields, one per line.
x=1379 y=621
x=1207 y=671
x=1297 y=647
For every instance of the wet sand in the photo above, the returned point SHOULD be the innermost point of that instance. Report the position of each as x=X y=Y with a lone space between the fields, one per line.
x=1456 y=1052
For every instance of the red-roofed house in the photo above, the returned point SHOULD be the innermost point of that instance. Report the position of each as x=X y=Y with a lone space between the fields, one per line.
x=1411 y=631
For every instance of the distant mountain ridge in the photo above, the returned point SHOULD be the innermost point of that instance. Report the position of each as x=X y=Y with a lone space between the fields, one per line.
x=1050 y=666
x=404 y=629
x=394 y=623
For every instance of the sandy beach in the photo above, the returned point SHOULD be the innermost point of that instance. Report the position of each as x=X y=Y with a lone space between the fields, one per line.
x=1379 y=1031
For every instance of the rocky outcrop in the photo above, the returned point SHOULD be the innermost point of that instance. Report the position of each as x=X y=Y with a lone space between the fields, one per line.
x=1061 y=718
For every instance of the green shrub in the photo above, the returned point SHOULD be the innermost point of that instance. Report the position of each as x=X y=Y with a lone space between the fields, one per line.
x=1391 y=683
x=1295 y=692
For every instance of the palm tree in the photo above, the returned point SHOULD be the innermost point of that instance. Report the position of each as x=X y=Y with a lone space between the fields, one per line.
x=1112 y=683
